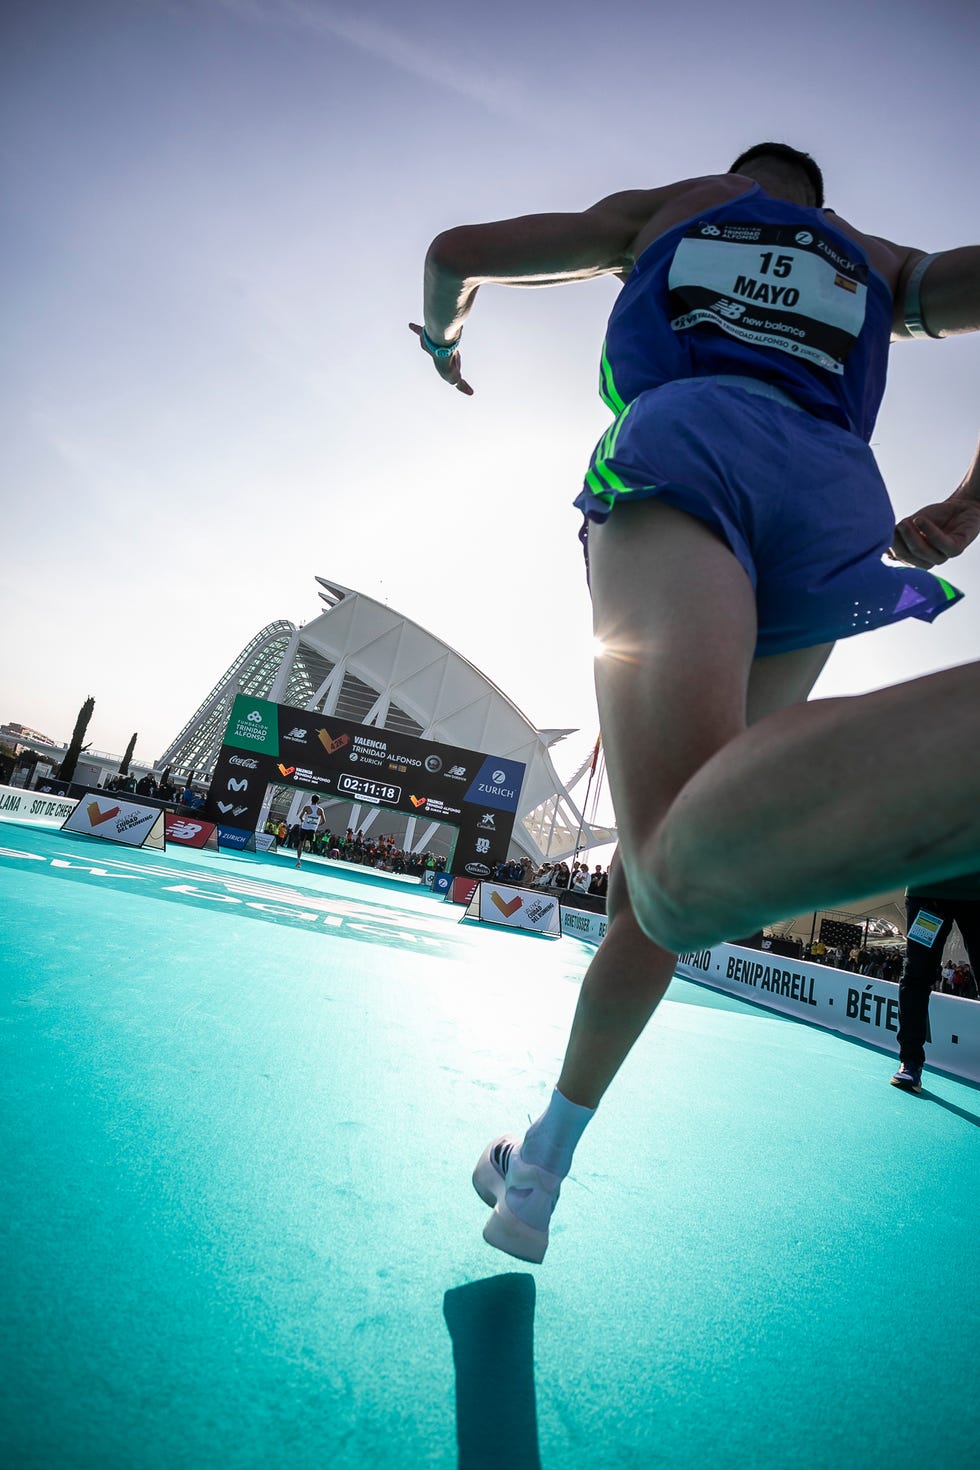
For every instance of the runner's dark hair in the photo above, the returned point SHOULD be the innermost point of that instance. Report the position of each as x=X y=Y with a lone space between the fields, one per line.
x=788 y=155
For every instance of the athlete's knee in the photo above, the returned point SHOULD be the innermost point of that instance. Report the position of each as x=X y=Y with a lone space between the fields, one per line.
x=623 y=929
x=675 y=900
x=660 y=911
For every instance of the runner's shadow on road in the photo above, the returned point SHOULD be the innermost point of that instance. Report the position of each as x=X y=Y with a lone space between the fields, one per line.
x=491 y=1324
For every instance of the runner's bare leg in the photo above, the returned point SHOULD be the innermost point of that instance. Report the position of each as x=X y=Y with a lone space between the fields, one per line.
x=629 y=974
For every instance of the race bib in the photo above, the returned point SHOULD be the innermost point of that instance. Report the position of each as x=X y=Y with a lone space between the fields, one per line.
x=776 y=286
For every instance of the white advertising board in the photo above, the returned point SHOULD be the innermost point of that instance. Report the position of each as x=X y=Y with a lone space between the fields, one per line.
x=583 y=924
x=854 y=1005
x=35 y=806
x=516 y=908
x=114 y=820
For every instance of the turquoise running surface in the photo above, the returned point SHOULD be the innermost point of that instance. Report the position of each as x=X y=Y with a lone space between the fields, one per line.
x=240 y=1108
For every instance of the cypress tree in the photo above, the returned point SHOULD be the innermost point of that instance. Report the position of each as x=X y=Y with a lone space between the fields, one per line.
x=124 y=766
x=66 y=771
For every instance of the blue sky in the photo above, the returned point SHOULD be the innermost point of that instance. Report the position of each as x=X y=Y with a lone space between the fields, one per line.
x=214 y=217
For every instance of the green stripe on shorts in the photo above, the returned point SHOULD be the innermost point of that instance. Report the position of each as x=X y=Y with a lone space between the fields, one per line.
x=608 y=391
x=606 y=450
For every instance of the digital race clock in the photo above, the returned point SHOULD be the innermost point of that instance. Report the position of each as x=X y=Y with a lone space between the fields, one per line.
x=370 y=790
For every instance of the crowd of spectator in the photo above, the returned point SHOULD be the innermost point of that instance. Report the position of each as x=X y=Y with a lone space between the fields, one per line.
x=518 y=871
x=575 y=879
x=382 y=853
x=161 y=789
x=879 y=962
x=958 y=979
x=354 y=847
x=884 y=963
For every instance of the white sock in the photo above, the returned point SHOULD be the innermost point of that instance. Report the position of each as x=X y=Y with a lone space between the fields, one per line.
x=550 y=1141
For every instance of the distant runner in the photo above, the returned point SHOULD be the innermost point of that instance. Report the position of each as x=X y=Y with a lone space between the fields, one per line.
x=310 y=822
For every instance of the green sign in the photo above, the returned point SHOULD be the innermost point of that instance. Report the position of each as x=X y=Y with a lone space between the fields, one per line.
x=254 y=725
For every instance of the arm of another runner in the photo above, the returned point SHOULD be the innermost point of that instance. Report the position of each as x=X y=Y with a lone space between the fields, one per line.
x=937 y=532
x=533 y=250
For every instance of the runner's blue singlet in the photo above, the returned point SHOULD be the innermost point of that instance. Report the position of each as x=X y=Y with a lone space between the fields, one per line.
x=745 y=363
x=760 y=287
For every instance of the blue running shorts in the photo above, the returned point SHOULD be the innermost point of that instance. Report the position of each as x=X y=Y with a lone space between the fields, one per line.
x=799 y=501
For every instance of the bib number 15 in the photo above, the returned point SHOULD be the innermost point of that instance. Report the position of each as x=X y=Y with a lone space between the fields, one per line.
x=782 y=267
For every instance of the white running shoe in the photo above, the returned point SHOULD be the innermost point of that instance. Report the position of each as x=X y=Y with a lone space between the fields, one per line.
x=522 y=1197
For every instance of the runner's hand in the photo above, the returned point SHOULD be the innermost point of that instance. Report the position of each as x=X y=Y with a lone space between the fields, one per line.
x=448 y=368
x=937 y=532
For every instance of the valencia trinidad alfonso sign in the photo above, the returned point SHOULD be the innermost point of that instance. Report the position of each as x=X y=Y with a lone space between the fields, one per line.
x=365 y=765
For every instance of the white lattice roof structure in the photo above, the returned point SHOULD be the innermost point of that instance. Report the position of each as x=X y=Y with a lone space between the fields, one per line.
x=362 y=661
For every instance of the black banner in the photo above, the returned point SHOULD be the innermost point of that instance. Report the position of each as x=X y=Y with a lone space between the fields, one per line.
x=265 y=742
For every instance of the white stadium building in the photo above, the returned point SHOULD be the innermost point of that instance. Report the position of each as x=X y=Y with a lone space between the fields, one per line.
x=363 y=662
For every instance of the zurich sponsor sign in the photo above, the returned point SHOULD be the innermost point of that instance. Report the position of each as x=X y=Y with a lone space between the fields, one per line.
x=497 y=784
x=233 y=836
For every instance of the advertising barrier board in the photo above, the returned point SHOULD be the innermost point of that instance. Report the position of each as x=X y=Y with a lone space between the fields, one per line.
x=461 y=890
x=189 y=831
x=34 y=806
x=854 y=1005
x=113 y=820
x=237 y=838
x=515 y=908
x=581 y=924
x=262 y=842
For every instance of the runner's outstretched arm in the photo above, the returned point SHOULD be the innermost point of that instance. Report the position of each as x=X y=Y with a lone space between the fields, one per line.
x=532 y=250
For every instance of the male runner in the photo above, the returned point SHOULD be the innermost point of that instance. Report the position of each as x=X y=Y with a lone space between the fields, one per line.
x=735 y=526
x=310 y=821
